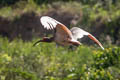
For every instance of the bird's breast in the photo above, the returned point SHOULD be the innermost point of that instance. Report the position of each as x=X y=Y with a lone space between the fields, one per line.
x=61 y=39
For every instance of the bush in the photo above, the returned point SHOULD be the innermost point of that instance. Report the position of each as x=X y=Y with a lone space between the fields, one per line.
x=20 y=61
x=102 y=67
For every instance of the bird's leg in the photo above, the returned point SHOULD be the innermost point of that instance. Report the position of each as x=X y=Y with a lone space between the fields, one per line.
x=57 y=45
x=73 y=48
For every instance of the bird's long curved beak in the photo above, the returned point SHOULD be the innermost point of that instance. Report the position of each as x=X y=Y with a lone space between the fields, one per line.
x=94 y=39
x=37 y=42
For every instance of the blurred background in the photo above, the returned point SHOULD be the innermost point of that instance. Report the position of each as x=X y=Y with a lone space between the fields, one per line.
x=20 y=27
x=20 y=18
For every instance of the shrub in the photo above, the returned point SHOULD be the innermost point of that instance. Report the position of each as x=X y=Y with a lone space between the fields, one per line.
x=20 y=61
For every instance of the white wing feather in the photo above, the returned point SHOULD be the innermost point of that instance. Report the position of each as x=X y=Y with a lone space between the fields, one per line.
x=48 y=22
x=78 y=33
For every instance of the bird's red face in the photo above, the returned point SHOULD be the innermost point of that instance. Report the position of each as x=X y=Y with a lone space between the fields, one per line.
x=45 y=39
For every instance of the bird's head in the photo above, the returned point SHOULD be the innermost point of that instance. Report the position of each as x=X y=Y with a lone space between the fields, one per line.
x=45 y=39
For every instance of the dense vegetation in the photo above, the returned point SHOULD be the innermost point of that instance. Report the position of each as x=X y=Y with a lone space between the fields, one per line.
x=21 y=61
x=19 y=27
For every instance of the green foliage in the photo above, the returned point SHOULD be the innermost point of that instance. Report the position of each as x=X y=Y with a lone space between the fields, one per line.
x=102 y=67
x=20 y=61
x=107 y=58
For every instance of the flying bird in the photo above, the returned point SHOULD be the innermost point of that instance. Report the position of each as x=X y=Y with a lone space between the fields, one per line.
x=62 y=35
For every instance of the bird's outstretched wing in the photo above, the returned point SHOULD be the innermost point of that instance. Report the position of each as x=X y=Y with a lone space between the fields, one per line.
x=50 y=23
x=80 y=33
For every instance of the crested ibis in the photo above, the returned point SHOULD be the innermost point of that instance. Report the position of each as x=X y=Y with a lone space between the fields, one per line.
x=62 y=35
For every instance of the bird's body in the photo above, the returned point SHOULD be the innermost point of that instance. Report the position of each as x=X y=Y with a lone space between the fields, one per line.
x=62 y=35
